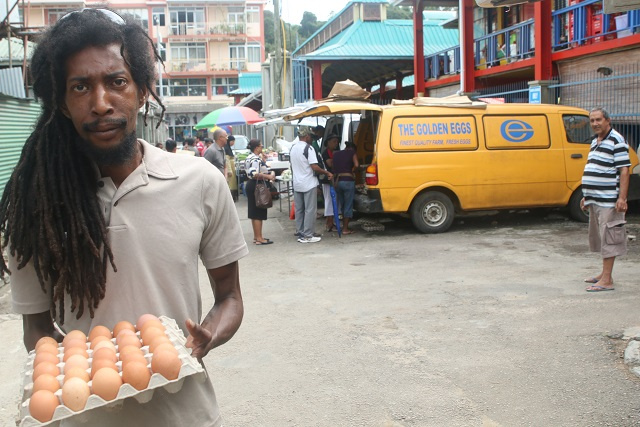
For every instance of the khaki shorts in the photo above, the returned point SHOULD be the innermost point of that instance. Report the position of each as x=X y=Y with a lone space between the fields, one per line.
x=607 y=232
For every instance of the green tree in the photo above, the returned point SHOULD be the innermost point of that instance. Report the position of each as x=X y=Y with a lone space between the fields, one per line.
x=308 y=25
x=269 y=36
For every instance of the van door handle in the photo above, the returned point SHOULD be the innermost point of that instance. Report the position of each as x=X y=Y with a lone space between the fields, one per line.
x=576 y=156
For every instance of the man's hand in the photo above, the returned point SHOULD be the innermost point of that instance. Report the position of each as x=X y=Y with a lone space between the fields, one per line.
x=224 y=319
x=329 y=175
x=199 y=339
x=582 y=204
x=621 y=205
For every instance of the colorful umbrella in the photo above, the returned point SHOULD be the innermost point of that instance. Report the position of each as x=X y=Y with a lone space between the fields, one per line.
x=229 y=116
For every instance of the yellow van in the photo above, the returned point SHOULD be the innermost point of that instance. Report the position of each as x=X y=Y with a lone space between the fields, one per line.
x=432 y=161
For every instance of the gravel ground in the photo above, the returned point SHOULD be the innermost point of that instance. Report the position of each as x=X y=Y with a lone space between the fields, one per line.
x=486 y=325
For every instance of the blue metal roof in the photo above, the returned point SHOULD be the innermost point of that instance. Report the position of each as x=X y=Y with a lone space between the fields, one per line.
x=248 y=83
x=390 y=39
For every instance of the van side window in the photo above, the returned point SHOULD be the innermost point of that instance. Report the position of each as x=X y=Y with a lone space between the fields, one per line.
x=577 y=128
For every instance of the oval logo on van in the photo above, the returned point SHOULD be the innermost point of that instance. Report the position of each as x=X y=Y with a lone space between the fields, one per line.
x=516 y=131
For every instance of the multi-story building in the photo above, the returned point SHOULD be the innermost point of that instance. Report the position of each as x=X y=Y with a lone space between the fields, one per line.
x=205 y=45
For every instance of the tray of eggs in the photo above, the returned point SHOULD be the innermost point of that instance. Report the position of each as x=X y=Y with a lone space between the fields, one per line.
x=104 y=368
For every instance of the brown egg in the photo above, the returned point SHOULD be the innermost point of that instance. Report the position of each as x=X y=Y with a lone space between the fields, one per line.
x=105 y=353
x=143 y=319
x=74 y=335
x=127 y=340
x=102 y=344
x=75 y=393
x=46 y=340
x=74 y=342
x=106 y=383
x=158 y=341
x=166 y=364
x=133 y=356
x=46 y=382
x=76 y=361
x=73 y=351
x=129 y=349
x=166 y=346
x=45 y=357
x=76 y=373
x=149 y=334
x=45 y=368
x=152 y=324
x=48 y=348
x=99 y=339
x=102 y=363
x=99 y=331
x=42 y=405
x=137 y=374
x=122 y=325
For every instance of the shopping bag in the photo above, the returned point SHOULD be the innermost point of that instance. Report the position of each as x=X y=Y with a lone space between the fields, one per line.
x=292 y=211
x=263 y=195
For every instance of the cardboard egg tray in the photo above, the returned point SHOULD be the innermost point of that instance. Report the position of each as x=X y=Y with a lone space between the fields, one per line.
x=190 y=366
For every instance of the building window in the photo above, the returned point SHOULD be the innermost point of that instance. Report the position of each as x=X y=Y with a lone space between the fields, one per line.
x=53 y=15
x=188 y=56
x=224 y=85
x=158 y=16
x=238 y=55
x=235 y=15
x=187 y=87
x=253 y=14
x=187 y=20
x=253 y=53
x=141 y=16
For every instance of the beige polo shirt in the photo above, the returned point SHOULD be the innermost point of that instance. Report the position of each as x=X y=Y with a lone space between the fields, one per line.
x=167 y=212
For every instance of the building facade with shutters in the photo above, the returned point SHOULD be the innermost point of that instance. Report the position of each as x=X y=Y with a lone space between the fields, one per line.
x=204 y=44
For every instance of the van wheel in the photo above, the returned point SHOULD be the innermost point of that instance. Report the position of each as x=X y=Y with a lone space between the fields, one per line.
x=574 y=207
x=432 y=212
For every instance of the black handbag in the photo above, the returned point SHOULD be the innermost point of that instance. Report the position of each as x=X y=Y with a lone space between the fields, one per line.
x=262 y=195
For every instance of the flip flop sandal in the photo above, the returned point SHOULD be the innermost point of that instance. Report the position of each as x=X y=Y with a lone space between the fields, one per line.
x=596 y=288
x=267 y=242
x=591 y=280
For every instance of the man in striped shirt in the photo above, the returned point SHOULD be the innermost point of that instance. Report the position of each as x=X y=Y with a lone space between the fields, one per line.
x=605 y=184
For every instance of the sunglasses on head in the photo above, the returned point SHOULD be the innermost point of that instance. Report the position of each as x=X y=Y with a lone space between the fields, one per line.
x=113 y=17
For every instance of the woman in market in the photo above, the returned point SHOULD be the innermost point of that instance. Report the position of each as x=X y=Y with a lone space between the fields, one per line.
x=256 y=170
x=345 y=162
x=232 y=179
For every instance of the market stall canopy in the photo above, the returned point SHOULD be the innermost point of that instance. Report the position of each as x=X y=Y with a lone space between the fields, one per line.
x=332 y=107
x=280 y=121
x=229 y=116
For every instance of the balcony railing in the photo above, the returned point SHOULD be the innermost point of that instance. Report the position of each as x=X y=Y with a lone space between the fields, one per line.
x=585 y=23
x=442 y=63
x=206 y=28
x=220 y=64
x=504 y=46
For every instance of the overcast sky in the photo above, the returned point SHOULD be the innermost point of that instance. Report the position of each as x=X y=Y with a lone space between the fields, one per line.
x=292 y=10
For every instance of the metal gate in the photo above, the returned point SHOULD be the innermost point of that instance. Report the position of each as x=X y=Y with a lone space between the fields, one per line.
x=17 y=118
x=301 y=75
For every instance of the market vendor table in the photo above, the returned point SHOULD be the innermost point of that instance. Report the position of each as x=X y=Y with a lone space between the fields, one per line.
x=288 y=189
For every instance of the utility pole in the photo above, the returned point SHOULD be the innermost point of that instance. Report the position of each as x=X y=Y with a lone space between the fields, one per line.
x=277 y=65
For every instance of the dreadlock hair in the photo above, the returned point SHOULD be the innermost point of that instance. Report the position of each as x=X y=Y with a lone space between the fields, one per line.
x=49 y=212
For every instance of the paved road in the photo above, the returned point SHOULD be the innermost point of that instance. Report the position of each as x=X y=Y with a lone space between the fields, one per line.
x=486 y=325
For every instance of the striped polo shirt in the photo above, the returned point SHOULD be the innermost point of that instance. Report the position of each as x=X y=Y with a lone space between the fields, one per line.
x=601 y=177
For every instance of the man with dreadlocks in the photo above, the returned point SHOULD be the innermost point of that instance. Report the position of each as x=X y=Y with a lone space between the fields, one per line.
x=80 y=213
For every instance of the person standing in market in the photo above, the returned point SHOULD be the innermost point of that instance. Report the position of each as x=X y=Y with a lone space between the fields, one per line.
x=331 y=145
x=215 y=153
x=605 y=185
x=76 y=212
x=304 y=162
x=345 y=163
